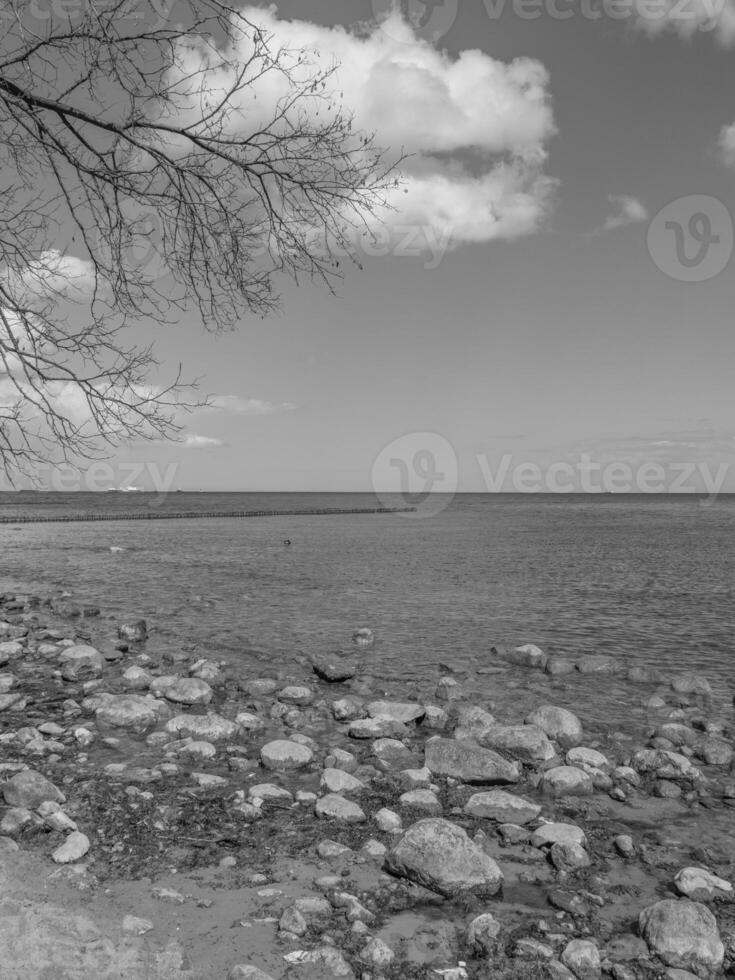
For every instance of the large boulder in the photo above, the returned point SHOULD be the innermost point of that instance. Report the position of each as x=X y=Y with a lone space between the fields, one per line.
x=440 y=856
x=469 y=762
x=558 y=723
x=683 y=935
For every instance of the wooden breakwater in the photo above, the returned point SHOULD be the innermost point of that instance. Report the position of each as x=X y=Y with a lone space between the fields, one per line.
x=162 y=515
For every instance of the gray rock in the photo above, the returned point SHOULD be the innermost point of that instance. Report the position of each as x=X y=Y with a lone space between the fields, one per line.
x=701 y=885
x=559 y=665
x=448 y=689
x=691 y=683
x=210 y=727
x=347 y=709
x=282 y=755
x=334 y=667
x=189 y=690
x=401 y=711
x=393 y=755
x=440 y=856
x=29 y=789
x=468 y=762
x=582 y=957
x=339 y=759
x=566 y=781
x=497 y=804
x=422 y=800
x=473 y=721
x=247 y=972
x=377 y=728
x=74 y=847
x=135 y=632
x=339 y=781
x=292 y=920
x=550 y=833
x=137 y=714
x=297 y=694
x=435 y=718
x=525 y=742
x=683 y=934
x=335 y=807
x=557 y=723
x=569 y=856
x=528 y=655
x=483 y=934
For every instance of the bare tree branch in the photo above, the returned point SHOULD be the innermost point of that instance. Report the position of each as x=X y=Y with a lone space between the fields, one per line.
x=148 y=166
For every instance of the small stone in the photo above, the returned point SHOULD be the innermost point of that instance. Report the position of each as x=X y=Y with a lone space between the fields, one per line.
x=388 y=821
x=293 y=921
x=135 y=632
x=339 y=759
x=169 y=895
x=597 y=663
x=377 y=953
x=338 y=781
x=347 y=709
x=332 y=849
x=550 y=833
x=131 y=711
x=701 y=885
x=136 y=679
x=363 y=637
x=569 y=856
x=377 y=728
x=189 y=690
x=566 y=781
x=283 y=755
x=74 y=847
x=558 y=723
x=422 y=801
x=403 y=712
x=136 y=925
x=30 y=789
x=247 y=972
x=497 y=804
x=624 y=845
x=334 y=668
x=582 y=957
x=335 y=807
x=210 y=727
x=448 y=689
x=483 y=934
x=296 y=694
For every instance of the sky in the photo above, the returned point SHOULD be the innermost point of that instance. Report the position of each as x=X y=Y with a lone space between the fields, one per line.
x=532 y=311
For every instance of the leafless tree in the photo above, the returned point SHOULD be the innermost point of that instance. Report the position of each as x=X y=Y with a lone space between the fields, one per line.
x=152 y=161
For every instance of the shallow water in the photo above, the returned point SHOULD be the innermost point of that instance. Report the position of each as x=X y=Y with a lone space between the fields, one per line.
x=648 y=580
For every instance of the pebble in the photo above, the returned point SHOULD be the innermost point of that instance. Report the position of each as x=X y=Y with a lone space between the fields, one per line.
x=283 y=755
x=74 y=847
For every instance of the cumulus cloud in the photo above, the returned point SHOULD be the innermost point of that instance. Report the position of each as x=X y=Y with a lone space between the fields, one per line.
x=627 y=210
x=237 y=405
x=475 y=128
x=726 y=145
x=194 y=441
x=687 y=18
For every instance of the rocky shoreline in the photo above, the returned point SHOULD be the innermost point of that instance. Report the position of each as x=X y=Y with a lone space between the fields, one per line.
x=170 y=816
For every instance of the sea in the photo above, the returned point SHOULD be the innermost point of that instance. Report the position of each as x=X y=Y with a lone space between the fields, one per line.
x=646 y=579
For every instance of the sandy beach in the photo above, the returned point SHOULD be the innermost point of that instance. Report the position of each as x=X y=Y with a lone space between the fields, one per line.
x=182 y=817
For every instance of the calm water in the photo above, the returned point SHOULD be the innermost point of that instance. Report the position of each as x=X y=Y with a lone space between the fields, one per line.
x=648 y=579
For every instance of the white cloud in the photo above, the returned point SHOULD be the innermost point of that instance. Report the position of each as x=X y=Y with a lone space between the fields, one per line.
x=236 y=405
x=477 y=127
x=726 y=145
x=55 y=272
x=194 y=441
x=627 y=210
x=687 y=18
